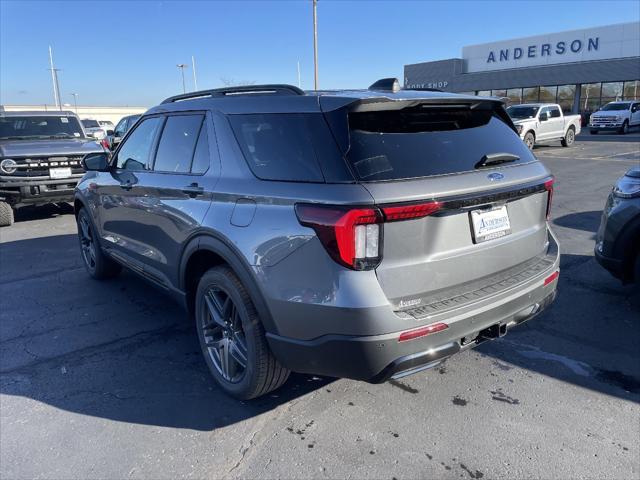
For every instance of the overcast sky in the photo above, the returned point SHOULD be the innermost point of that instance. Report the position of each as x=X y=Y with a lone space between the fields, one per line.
x=125 y=53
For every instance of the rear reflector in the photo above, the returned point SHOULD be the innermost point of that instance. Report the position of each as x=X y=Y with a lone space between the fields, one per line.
x=551 y=277
x=422 y=331
x=407 y=212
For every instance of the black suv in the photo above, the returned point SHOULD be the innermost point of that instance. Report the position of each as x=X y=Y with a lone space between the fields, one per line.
x=40 y=158
x=364 y=234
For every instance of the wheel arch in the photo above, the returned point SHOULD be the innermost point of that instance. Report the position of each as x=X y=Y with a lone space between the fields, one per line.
x=206 y=251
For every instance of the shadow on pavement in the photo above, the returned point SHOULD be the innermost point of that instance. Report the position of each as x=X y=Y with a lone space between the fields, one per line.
x=41 y=212
x=586 y=221
x=631 y=137
x=588 y=337
x=121 y=350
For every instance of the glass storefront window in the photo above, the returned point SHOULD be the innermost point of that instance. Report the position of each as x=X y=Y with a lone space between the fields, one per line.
x=612 y=90
x=530 y=94
x=631 y=90
x=589 y=97
x=566 y=94
x=548 y=94
x=484 y=93
x=499 y=93
x=514 y=95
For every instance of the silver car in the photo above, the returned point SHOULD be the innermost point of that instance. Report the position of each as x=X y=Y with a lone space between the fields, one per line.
x=364 y=234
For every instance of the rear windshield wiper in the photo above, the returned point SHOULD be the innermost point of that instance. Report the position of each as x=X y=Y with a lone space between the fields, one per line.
x=496 y=159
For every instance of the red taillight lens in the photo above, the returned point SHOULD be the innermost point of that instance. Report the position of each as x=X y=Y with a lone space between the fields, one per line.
x=105 y=143
x=408 y=212
x=352 y=236
x=548 y=185
x=422 y=331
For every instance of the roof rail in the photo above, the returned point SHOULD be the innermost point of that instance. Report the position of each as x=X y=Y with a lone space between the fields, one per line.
x=277 y=89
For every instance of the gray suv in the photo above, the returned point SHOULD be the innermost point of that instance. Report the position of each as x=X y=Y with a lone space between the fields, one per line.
x=362 y=234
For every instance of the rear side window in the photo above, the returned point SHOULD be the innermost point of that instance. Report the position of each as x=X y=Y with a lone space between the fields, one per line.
x=280 y=146
x=427 y=140
x=201 y=156
x=177 y=143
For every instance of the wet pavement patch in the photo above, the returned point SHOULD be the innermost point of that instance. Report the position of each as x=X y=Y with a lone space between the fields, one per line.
x=457 y=400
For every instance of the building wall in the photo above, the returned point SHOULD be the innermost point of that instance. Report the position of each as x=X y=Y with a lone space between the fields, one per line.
x=113 y=114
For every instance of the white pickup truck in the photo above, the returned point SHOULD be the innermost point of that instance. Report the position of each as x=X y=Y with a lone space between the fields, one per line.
x=615 y=116
x=544 y=122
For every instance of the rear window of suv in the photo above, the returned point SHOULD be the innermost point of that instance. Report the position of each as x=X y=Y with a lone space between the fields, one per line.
x=427 y=140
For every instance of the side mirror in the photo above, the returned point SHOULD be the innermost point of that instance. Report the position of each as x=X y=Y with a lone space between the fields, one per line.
x=544 y=117
x=109 y=132
x=96 y=162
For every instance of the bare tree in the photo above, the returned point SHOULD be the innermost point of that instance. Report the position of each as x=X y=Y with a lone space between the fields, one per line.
x=232 y=82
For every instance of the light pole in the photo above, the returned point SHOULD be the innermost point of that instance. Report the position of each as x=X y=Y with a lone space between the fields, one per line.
x=54 y=79
x=182 y=66
x=75 y=101
x=315 y=46
x=195 y=78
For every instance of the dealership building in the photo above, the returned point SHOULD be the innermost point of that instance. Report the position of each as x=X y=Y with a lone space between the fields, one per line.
x=579 y=69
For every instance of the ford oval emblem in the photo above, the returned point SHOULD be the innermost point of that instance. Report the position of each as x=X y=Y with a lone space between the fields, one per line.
x=495 y=176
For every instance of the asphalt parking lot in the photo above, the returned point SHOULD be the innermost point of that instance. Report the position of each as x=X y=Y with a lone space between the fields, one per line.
x=105 y=380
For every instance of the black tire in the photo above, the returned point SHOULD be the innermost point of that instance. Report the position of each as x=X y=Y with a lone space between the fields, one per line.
x=6 y=215
x=569 y=138
x=624 y=129
x=228 y=326
x=529 y=140
x=97 y=264
x=593 y=132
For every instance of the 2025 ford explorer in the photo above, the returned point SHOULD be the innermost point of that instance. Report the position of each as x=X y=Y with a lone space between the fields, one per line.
x=363 y=234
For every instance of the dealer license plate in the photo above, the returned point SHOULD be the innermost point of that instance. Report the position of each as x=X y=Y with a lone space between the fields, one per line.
x=64 y=172
x=490 y=224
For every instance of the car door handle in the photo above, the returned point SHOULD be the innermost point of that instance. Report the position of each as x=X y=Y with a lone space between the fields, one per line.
x=193 y=190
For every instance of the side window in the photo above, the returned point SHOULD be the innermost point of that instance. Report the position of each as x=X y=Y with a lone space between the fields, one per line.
x=121 y=128
x=545 y=110
x=201 y=156
x=178 y=143
x=636 y=107
x=135 y=151
x=555 y=112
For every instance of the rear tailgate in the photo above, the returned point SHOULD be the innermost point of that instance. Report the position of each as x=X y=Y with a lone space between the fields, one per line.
x=467 y=157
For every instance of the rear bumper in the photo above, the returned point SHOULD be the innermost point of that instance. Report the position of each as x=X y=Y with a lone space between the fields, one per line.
x=613 y=265
x=376 y=358
x=38 y=191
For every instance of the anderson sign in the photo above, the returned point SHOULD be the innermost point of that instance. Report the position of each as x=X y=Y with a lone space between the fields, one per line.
x=600 y=43
x=532 y=51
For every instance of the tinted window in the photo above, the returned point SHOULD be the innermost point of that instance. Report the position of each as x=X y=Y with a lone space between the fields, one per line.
x=39 y=126
x=90 y=124
x=201 y=156
x=281 y=146
x=177 y=144
x=135 y=151
x=423 y=141
x=121 y=128
x=520 y=112
x=554 y=112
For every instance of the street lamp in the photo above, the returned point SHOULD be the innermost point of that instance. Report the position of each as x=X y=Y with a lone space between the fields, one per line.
x=75 y=101
x=182 y=66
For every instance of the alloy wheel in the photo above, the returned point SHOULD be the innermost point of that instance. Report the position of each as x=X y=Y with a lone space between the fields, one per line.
x=223 y=335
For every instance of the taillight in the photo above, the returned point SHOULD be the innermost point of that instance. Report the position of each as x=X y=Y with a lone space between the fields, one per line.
x=352 y=236
x=105 y=143
x=548 y=186
x=408 y=212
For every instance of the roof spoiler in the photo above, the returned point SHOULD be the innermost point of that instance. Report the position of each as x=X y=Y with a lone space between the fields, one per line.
x=271 y=89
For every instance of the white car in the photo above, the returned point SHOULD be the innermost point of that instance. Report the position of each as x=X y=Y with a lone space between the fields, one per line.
x=544 y=122
x=106 y=125
x=93 y=129
x=615 y=116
